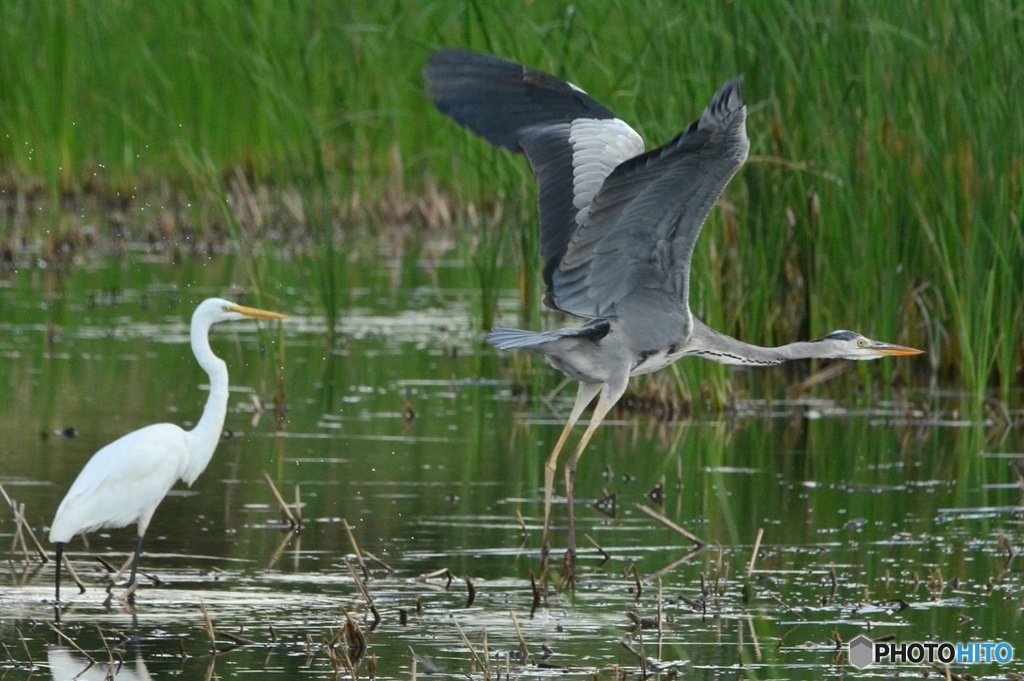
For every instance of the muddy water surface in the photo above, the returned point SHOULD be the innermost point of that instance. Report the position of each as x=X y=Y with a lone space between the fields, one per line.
x=893 y=517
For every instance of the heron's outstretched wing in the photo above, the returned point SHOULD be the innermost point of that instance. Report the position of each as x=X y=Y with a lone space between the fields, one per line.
x=644 y=221
x=572 y=141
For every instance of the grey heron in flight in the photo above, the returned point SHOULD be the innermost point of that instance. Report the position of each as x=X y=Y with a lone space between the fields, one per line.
x=618 y=226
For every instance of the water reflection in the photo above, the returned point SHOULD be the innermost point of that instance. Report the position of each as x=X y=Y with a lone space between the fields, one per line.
x=67 y=665
x=861 y=506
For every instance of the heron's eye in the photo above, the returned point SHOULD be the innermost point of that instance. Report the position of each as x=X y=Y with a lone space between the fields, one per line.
x=863 y=342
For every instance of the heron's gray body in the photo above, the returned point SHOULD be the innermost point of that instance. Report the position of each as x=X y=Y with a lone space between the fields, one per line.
x=618 y=227
x=598 y=352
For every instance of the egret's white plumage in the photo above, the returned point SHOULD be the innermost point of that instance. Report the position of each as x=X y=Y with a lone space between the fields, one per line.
x=125 y=481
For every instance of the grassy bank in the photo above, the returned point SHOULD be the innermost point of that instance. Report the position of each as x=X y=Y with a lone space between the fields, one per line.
x=883 y=193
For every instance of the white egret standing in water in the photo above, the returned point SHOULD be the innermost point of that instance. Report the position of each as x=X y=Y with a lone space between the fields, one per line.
x=125 y=481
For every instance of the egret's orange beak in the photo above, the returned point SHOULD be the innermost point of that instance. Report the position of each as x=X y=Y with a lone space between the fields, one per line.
x=257 y=314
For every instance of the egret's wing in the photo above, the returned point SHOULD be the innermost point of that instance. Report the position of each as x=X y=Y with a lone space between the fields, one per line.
x=572 y=141
x=123 y=482
x=644 y=221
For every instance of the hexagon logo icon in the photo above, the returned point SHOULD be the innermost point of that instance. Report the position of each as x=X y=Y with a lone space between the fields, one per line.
x=862 y=652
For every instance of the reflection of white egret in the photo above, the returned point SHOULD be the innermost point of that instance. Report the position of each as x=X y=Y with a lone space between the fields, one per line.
x=65 y=665
x=124 y=482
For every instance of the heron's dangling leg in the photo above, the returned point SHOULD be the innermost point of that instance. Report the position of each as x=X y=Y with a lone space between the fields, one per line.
x=610 y=394
x=584 y=396
x=135 y=567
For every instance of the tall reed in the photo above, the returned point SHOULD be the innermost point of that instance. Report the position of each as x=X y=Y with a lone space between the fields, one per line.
x=895 y=121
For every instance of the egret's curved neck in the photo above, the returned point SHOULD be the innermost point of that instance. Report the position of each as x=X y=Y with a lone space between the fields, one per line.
x=202 y=440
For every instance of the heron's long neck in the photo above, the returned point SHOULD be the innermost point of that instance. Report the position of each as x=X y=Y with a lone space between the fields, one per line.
x=204 y=437
x=709 y=344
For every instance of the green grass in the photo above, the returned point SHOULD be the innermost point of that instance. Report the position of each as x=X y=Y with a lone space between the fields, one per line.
x=898 y=121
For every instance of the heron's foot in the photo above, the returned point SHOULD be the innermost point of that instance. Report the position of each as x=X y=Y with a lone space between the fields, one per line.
x=569 y=569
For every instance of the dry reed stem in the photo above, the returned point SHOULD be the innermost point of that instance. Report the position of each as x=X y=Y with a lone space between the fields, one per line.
x=671 y=525
x=19 y=538
x=154 y=579
x=23 y=529
x=524 y=651
x=20 y=521
x=522 y=524
x=285 y=511
x=343 y=657
x=753 y=555
x=366 y=596
x=441 y=572
x=627 y=643
x=71 y=642
x=110 y=651
x=636 y=581
x=208 y=626
x=380 y=562
x=487 y=654
x=355 y=548
x=234 y=638
x=354 y=638
x=606 y=556
x=753 y=637
x=740 y=642
x=210 y=669
x=24 y=645
x=279 y=551
x=785 y=605
x=124 y=567
x=660 y=613
x=310 y=650
x=679 y=561
x=472 y=648
x=535 y=589
x=273 y=634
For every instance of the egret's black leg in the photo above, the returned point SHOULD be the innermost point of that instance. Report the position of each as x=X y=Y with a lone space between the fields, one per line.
x=60 y=557
x=135 y=567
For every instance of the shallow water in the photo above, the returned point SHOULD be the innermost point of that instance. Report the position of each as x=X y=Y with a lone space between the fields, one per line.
x=885 y=517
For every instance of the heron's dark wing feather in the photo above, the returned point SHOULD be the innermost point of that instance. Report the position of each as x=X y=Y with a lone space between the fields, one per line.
x=572 y=141
x=643 y=223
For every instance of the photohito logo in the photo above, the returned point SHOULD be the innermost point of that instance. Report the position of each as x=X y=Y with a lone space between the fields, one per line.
x=864 y=651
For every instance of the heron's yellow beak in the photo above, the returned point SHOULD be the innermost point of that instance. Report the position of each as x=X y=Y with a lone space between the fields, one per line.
x=894 y=350
x=256 y=313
